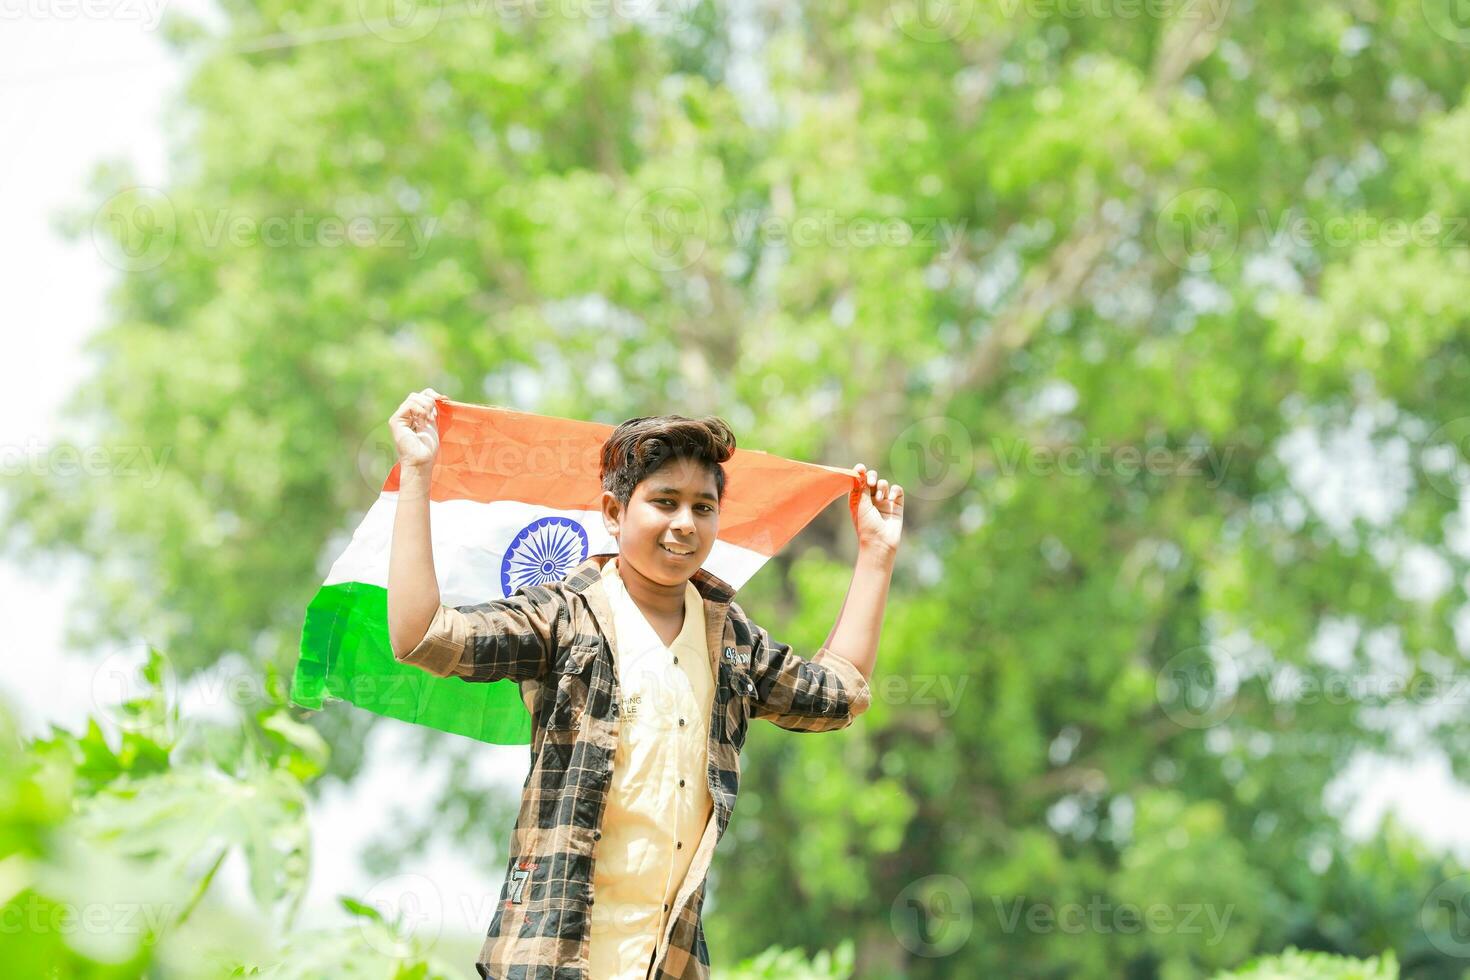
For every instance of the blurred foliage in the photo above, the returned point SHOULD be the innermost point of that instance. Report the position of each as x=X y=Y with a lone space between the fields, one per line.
x=1172 y=366
x=791 y=964
x=111 y=839
x=1296 y=965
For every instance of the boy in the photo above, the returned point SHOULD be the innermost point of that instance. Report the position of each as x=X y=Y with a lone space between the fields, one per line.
x=641 y=674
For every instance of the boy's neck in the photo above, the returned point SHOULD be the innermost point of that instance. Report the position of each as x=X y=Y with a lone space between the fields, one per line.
x=653 y=598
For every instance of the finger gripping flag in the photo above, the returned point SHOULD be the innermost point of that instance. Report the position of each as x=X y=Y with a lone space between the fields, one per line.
x=514 y=499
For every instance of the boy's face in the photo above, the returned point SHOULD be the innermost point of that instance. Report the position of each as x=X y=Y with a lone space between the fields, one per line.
x=674 y=507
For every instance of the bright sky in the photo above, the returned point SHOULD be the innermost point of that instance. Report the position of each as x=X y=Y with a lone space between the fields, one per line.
x=77 y=91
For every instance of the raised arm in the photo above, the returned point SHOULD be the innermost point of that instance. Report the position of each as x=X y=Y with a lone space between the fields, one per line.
x=413 y=589
x=854 y=636
x=831 y=689
x=511 y=638
x=877 y=517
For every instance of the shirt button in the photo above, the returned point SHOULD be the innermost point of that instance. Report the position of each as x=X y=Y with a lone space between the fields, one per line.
x=681 y=782
x=680 y=845
x=681 y=721
x=597 y=835
x=676 y=660
x=666 y=906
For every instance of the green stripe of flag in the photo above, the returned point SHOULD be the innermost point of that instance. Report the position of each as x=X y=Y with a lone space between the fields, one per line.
x=345 y=656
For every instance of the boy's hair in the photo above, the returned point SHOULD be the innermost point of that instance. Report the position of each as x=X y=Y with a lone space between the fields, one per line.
x=640 y=446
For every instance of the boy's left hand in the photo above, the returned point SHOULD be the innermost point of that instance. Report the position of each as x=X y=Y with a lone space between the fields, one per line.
x=877 y=510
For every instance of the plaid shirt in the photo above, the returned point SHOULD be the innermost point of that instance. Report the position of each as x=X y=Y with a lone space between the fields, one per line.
x=553 y=640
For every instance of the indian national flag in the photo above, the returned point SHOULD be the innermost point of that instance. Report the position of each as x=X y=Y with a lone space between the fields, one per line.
x=515 y=499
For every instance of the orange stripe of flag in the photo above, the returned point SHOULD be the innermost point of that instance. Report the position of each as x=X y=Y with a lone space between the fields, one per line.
x=490 y=453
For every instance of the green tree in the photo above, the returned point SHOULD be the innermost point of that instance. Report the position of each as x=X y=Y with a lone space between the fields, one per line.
x=1083 y=280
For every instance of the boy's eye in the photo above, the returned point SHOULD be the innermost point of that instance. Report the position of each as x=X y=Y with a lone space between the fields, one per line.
x=666 y=500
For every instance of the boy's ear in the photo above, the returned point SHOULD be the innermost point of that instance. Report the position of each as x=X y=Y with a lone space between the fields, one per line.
x=611 y=514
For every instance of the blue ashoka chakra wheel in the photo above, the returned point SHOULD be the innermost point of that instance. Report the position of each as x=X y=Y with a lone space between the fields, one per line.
x=544 y=551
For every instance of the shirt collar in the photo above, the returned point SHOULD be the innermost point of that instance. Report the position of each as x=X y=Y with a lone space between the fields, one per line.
x=711 y=587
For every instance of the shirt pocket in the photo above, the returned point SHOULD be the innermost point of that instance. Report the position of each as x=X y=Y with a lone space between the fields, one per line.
x=568 y=700
x=739 y=698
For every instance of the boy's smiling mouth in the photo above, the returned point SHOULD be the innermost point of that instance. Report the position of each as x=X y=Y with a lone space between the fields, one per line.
x=676 y=554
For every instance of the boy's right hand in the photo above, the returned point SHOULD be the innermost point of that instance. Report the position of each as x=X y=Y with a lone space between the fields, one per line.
x=415 y=429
